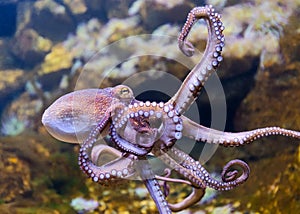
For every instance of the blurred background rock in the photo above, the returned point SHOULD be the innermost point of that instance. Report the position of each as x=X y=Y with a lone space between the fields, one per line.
x=46 y=44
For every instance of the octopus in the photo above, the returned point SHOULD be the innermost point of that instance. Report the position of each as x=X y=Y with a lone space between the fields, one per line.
x=136 y=130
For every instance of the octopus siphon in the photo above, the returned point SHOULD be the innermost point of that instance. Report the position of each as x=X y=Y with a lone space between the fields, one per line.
x=136 y=130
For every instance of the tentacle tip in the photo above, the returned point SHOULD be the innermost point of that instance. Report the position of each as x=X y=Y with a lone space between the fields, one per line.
x=186 y=48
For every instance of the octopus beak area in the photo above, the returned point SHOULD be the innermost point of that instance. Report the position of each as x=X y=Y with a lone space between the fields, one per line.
x=147 y=139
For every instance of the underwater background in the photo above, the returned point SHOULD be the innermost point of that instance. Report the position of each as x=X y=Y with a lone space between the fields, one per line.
x=45 y=45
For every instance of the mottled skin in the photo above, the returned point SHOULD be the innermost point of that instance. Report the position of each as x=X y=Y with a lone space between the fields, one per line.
x=137 y=129
x=75 y=114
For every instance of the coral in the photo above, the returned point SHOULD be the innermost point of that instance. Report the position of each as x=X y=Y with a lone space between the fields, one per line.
x=10 y=79
x=11 y=126
x=122 y=59
x=92 y=36
x=52 y=6
x=83 y=205
x=20 y=115
x=11 y=83
x=58 y=59
x=274 y=86
x=255 y=29
x=76 y=6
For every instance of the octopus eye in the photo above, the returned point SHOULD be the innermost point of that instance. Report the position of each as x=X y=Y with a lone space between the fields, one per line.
x=124 y=91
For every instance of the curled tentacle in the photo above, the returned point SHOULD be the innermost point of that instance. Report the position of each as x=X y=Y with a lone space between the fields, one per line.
x=171 y=160
x=191 y=199
x=208 y=135
x=145 y=116
x=118 y=168
x=126 y=146
x=197 y=174
x=166 y=187
x=166 y=178
x=97 y=150
x=211 y=59
x=197 y=184
x=230 y=176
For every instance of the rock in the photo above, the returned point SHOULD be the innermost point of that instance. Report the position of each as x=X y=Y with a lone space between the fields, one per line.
x=289 y=43
x=29 y=47
x=274 y=99
x=117 y=8
x=20 y=115
x=32 y=165
x=15 y=178
x=11 y=83
x=52 y=20
x=156 y=13
x=96 y=8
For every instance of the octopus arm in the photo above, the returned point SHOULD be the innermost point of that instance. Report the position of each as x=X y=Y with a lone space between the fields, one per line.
x=198 y=175
x=152 y=185
x=208 y=135
x=119 y=168
x=191 y=199
x=211 y=59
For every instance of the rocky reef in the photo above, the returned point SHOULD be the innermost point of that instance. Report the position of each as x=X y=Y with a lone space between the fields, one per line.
x=59 y=46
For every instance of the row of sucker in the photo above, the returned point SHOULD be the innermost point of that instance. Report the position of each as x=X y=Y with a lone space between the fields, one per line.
x=250 y=136
x=101 y=174
x=229 y=178
x=211 y=59
x=214 y=48
x=126 y=146
x=241 y=138
x=174 y=164
x=215 y=27
x=153 y=186
x=152 y=111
